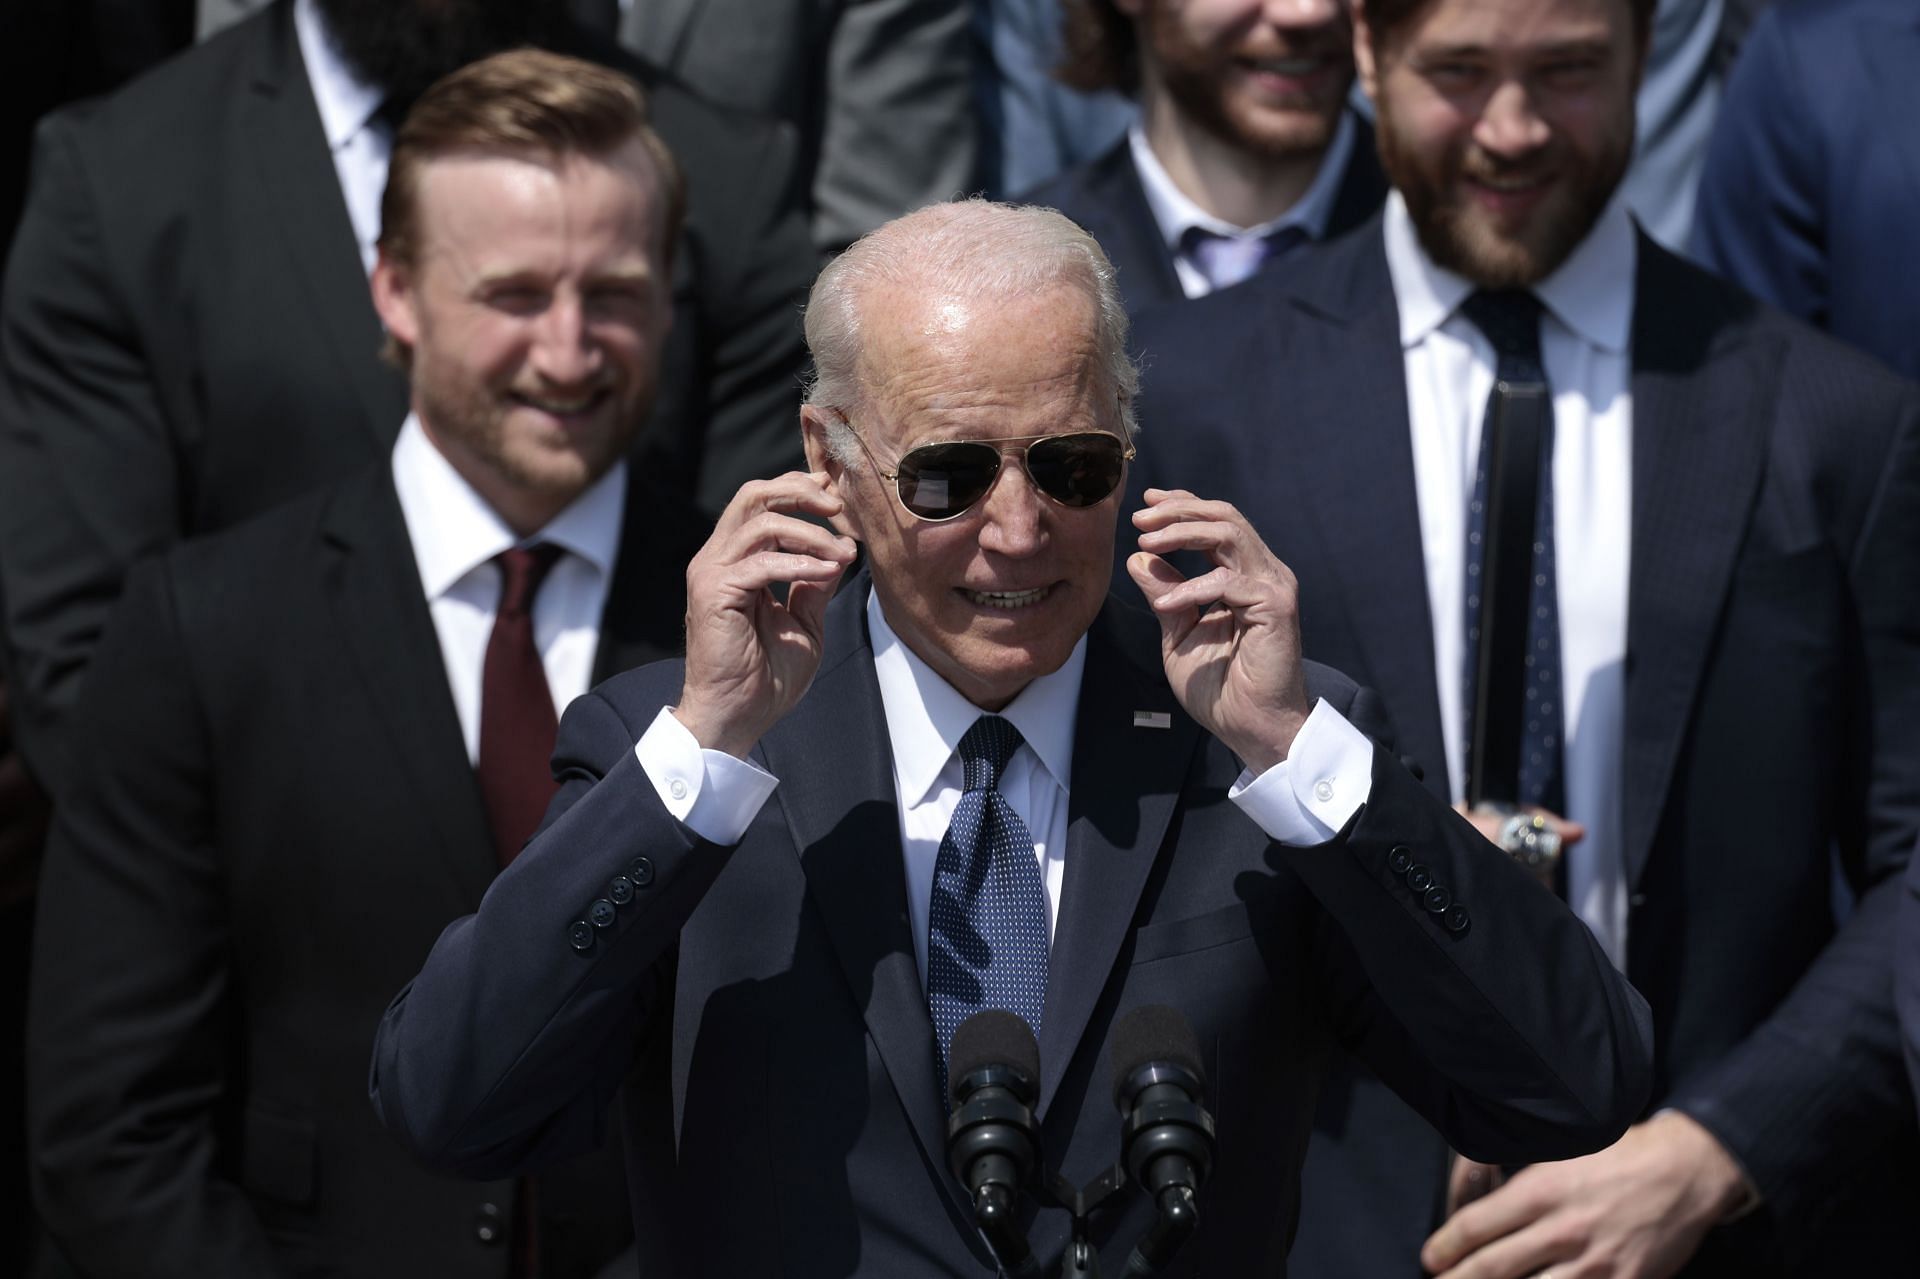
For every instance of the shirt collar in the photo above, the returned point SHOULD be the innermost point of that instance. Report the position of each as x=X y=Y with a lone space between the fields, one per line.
x=346 y=99
x=454 y=530
x=1591 y=293
x=926 y=716
x=1175 y=212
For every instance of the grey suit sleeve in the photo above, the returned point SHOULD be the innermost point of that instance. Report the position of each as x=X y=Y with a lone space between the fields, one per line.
x=900 y=128
x=129 y=1035
x=505 y=1052
x=89 y=480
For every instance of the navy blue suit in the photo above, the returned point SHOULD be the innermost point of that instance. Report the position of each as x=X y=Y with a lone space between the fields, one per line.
x=1812 y=180
x=1105 y=197
x=1772 y=709
x=767 y=1000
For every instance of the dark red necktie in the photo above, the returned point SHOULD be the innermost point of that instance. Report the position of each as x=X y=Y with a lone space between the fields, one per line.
x=517 y=723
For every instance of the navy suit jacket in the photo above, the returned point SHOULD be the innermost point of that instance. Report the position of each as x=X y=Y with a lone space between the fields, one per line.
x=1105 y=197
x=1772 y=705
x=770 y=995
x=1812 y=179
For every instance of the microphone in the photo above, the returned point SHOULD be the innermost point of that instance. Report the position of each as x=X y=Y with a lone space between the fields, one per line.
x=1166 y=1139
x=993 y=1072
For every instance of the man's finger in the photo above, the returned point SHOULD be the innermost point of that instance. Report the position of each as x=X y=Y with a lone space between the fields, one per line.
x=1511 y=1208
x=758 y=572
x=1223 y=586
x=772 y=531
x=807 y=602
x=795 y=493
x=1172 y=506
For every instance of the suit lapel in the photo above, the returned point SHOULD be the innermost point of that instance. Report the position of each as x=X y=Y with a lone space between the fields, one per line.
x=1701 y=396
x=658 y=30
x=1126 y=783
x=382 y=621
x=841 y=807
x=1360 y=494
x=296 y=175
x=1126 y=229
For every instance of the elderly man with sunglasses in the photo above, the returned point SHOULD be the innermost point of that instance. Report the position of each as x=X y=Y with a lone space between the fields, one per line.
x=877 y=798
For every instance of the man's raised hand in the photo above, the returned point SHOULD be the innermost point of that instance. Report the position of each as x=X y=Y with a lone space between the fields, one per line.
x=749 y=656
x=1230 y=638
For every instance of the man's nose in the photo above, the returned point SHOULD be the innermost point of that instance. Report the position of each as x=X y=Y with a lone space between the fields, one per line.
x=1509 y=126
x=1012 y=513
x=1300 y=15
x=564 y=348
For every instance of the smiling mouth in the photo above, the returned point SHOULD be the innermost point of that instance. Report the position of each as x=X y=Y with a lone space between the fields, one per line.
x=563 y=406
x=1008 y=599
x=1295 y=68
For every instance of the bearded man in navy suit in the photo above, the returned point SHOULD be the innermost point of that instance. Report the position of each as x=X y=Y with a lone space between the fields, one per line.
x=1710 y=679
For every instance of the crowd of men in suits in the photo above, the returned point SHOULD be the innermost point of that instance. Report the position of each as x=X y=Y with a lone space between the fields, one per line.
x=371 y=395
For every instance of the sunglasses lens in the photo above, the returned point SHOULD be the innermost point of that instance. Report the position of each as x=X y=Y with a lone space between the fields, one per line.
x=939 y=481
x=1077 y=470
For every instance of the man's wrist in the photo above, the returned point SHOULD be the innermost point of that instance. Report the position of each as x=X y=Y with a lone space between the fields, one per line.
x=714 y=734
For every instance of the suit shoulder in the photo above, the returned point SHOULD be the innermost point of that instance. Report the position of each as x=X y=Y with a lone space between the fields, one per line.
x=1086 y=190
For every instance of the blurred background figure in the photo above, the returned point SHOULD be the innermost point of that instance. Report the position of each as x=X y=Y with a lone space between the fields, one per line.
x=1033 y=126
x=311 y=741
x=1811 y=193
x=1245 y=150
x=880 y=93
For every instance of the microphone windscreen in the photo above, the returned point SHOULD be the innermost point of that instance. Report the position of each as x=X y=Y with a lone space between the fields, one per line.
x=1152 y=1034
x=992 y=1037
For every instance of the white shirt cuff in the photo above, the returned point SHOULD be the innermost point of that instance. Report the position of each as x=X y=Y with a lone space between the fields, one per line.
x=1312 y=794
x=711 y=793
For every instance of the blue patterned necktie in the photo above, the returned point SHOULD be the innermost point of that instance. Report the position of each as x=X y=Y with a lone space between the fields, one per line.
x=1529 y=697
x=987 y=926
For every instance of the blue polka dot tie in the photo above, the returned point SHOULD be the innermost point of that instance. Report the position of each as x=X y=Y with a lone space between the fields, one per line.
x=1529 y=696
x=987 y=926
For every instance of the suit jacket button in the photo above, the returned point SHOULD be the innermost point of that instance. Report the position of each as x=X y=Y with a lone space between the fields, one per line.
x=641 y=872
x=1437 y=900
x=1419 y=878
x=487 y=1225
x=1456 y=919
x=620 y=890
x=580 y=935
x=1399 y=859
x=602 y=913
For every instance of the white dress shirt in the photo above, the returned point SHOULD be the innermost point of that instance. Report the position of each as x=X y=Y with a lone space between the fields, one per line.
x=1304 y=800
x=1584 y=342
x=1175 y=212
x=455 y=537
x=359 y=143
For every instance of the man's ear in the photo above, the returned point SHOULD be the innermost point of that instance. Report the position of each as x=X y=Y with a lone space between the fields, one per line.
x=393 y=300
x=813 y=437
x=1363 y=64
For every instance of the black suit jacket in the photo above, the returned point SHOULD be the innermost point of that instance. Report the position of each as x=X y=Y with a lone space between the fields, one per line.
x=1105 y=197
x=1772 y=704
x=277 y=819
x=776 y=986
x=188 y=336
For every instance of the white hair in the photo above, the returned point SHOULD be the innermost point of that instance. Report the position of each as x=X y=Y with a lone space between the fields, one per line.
x=967 y=250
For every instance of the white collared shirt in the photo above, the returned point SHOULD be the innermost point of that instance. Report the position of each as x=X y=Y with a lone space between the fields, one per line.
x=455 y=536
x=1175 y=212
x=1585 y=334
x=1304 y=800
x=359 y=143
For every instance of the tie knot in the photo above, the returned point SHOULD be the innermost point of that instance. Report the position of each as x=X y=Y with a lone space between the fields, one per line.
x=522 y=569
x=985 y=750
x=1511 y=320
x=1226 y=260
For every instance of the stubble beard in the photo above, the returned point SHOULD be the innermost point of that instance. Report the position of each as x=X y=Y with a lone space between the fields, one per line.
x=1467 y=241
x=1195 y=82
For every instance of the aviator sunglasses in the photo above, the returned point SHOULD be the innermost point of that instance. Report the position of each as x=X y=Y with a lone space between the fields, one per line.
x=943 y=481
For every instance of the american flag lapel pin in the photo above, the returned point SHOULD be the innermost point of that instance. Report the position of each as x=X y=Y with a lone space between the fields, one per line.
x=1152 y=719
